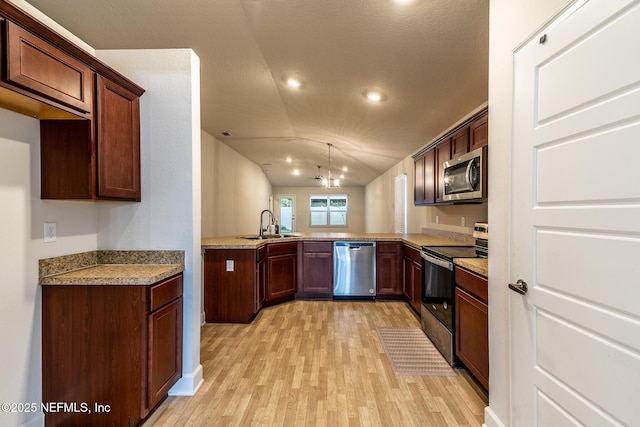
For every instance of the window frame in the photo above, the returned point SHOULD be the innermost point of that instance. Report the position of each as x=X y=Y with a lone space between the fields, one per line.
x=328 y=210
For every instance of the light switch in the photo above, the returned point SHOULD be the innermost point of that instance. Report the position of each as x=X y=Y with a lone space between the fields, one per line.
x=50 y=232
x=230 y=265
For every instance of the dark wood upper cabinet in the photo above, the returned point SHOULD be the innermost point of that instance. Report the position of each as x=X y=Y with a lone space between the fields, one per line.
x=424 y=179
x=418 y=181
x=428 y=163
x=479 y=131
x=43 y=69
x=90 y=114
x=443 y=154
x=460 y=143
x=118 y=141
x=94 y=159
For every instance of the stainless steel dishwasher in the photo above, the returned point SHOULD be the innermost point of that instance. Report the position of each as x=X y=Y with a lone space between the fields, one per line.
x=354 y=270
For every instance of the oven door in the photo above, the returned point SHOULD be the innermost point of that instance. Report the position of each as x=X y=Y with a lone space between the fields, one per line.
x=438 y=288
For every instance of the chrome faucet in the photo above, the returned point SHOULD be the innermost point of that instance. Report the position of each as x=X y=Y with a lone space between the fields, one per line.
x=261 y=216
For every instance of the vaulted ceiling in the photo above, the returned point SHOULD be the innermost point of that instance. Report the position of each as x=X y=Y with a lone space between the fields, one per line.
x=429 y=58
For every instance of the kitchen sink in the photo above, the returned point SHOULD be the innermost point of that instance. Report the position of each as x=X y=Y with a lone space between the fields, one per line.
x=264 y=237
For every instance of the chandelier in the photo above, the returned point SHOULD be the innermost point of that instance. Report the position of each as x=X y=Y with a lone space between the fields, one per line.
x=330 y=182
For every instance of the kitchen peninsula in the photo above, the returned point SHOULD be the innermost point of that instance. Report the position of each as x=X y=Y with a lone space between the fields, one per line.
x=243 y=275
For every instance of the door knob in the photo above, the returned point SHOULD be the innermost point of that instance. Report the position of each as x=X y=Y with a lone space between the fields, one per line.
x=520 y=287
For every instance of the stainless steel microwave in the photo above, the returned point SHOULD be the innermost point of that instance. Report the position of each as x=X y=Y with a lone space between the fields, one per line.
x=464 y=176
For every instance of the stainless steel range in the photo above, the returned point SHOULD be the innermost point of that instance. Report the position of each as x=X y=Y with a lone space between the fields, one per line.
x=438 y=288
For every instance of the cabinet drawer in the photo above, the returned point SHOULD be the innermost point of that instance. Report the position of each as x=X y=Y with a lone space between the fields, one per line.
x=165 y=292
x=282 y=248
x=472 y=283
x=387 y=247
x=34 y=64
x=412 y=253
x=317 y=247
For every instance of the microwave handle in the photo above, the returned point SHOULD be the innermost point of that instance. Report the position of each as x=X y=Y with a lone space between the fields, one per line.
x=468 y=175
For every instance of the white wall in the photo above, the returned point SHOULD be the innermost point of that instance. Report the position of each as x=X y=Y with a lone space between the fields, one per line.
x=234 y=191
x=510 y=23
x=356 y=208
x=379 y=197
x=22 y=214
x=168 y=217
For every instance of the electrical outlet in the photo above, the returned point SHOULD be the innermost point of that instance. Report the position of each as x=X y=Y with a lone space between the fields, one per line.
x=50 y=232
x=437 y=219
x=463 y=221
x=230 y=265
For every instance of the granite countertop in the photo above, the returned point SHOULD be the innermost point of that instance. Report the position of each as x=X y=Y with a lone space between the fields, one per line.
x=477 y=265
x=111 y=268
x=415 y=239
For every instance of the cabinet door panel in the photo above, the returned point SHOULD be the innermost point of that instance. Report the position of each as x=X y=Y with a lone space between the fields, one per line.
x=281 y=272
x=443 y=154
x=317 y=270
x=418 y=181
x=460 y=143
x=118 y=141
x=34 y=64
x=479 y=133
x=472 y=336
x=165 y=350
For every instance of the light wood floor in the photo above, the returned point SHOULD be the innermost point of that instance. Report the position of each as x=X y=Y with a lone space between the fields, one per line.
x=317 y=363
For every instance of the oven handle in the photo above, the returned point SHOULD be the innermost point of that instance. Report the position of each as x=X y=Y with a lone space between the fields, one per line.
x=445 y=264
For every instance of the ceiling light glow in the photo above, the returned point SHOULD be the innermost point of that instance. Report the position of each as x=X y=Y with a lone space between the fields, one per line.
x=345 y=169
x=296 y=172
x=289 y=160
x=374 y=96
x=294 y=82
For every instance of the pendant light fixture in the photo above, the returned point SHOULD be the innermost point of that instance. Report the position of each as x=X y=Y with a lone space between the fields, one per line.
x=330 y=182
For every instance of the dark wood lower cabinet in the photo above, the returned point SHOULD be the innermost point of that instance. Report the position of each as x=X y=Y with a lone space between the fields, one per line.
x=315 y=270
x=412 y=277
x=281 y=271
x=472 y=324
x=388 y=270
x=230 y=291
x=113 y=351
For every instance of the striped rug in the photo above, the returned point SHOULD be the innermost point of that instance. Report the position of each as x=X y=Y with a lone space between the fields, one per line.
x=411 y=353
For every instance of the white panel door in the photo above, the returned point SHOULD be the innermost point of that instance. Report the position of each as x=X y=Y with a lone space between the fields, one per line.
x=575 y=220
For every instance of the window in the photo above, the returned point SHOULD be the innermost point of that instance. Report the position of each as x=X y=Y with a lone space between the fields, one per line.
x=400 y=205
x=328 y=211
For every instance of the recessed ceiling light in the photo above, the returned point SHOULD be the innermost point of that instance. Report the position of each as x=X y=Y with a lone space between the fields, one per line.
x=289 y=160
x=404 y=1
x=296 y=172
x=341 y=176
x=294 y=82
x=344 y=169
x=374 y=96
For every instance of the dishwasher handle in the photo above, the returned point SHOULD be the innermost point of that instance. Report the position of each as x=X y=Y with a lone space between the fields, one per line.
x=355 y=245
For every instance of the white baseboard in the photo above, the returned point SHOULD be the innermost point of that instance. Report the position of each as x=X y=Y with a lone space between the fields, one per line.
x=189 y=384
x=491 y=419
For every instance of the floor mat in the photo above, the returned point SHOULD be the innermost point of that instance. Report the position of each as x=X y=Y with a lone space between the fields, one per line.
x=411 y=353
